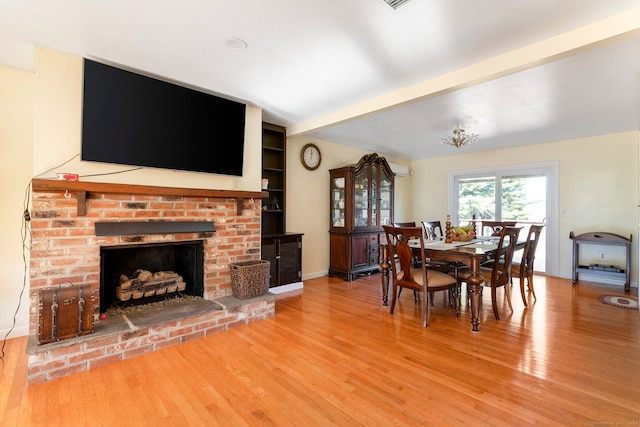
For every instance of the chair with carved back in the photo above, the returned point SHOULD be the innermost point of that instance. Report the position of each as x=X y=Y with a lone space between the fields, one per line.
x=523 y=270
x=433 y=231
x=493 y=228
x=415 y=259
x=405 y=224
x=419 y=279
x=499 y=273
x=433 y=265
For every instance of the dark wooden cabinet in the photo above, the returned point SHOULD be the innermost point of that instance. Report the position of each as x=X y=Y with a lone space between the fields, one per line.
x=361 y=203
x=284 y=252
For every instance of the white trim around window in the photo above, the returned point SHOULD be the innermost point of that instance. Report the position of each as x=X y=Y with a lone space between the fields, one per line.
x=551 y=171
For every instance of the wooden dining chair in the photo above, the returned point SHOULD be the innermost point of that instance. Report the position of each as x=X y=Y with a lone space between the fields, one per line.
x=405 y=224
x=524 y=269
x=420 y=279
x=408 y=224
x=493 y=228
x=432 y=230
x=414 y=259
x=499 y=273
x=433 y=265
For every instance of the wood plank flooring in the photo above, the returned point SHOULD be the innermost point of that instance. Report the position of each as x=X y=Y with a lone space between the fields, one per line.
x=333 y=355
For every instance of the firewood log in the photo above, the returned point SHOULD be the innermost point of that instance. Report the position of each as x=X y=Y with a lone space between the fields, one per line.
x=126 y=284
x=143 y=275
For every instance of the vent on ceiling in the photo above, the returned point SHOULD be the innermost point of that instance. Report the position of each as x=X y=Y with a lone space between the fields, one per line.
x=396 y=3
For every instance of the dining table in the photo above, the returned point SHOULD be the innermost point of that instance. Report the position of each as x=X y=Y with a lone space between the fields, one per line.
x=471 y=253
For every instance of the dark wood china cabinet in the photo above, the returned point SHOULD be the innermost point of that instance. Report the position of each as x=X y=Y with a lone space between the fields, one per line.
x=361 y=203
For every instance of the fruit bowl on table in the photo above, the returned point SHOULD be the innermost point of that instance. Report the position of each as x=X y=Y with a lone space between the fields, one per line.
x=464 y=233
x=462 y=238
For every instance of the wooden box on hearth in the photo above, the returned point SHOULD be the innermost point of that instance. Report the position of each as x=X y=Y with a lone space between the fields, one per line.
x=64 y=312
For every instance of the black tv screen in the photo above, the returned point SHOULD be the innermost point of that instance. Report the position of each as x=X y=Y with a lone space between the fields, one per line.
x=131 y=119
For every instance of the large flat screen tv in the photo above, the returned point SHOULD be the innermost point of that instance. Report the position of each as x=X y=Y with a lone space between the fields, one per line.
x=131 y=119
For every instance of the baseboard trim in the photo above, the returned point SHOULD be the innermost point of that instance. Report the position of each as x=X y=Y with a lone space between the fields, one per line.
x=18 y=331
x=286 y=288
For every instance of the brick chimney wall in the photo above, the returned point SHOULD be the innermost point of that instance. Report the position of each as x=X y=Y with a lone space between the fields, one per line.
x=65 y=250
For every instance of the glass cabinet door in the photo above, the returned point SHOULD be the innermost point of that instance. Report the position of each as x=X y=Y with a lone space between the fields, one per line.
x=374 y=197
x=337 y=201
x=386 y=199
x=361 y=199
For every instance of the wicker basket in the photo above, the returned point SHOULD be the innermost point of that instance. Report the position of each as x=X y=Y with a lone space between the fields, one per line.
x=249 y=279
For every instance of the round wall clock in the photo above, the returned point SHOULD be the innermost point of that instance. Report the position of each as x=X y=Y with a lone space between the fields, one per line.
x=310 y=157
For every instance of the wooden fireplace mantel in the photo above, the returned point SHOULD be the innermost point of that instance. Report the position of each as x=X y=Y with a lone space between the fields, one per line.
x=81 y=188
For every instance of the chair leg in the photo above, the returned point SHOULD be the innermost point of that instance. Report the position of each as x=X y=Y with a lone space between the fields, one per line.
x=524 y=296
x=431 y=298
x=507 y=291
x=455 y=293
x=494 y=303
x=415 y=295
x=530 y=286
x=393 y=298
x=425 y=310
x=529 y=279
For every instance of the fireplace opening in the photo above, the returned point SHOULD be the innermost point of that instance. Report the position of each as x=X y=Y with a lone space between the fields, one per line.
x=140 y=274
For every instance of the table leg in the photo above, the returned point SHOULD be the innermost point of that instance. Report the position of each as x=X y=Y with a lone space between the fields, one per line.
x=385 y=284
x=475 y=287
x=384 y=268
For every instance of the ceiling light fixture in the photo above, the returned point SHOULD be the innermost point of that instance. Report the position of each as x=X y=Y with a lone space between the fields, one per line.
x=234 y=43
x=459 y=138
x=395 y=3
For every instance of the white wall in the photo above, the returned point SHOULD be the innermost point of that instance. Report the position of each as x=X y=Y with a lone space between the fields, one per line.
x=16 y=169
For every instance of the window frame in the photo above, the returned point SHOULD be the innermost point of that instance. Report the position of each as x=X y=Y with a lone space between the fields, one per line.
x=549 y=169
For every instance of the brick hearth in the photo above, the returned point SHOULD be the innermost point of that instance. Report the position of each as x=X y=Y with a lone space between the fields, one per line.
x=66 y=251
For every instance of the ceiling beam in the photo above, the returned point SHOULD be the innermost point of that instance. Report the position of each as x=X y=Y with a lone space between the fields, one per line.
x=609 y=30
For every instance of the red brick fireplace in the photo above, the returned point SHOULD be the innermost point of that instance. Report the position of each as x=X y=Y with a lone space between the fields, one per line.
x=66 y=251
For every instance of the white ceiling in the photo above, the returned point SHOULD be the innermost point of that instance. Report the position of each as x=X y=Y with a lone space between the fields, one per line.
x=360 y=73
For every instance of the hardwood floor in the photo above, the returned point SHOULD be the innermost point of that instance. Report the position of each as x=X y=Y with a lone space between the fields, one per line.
x=333 y=355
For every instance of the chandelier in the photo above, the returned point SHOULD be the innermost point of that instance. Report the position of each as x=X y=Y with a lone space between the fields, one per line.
x=459 y=138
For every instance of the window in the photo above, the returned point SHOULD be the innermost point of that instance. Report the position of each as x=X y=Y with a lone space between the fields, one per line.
x=527 y=195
